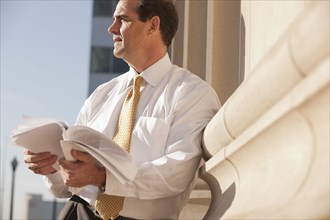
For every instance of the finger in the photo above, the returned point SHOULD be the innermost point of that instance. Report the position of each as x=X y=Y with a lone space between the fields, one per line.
x=27 y=155
x=42 y=163
x=29 y=159
x=81 y=156
x=66 y=164
x=28 y=152
x=45 y=170
x=47 y=162
x=32 y=166
x=35 y=157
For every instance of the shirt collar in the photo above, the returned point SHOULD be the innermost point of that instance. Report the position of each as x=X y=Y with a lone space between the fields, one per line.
x=154 y=74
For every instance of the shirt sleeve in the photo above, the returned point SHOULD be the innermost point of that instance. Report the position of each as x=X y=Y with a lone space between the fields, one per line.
x=56 y=186
x=54 y=182
x=171 y=173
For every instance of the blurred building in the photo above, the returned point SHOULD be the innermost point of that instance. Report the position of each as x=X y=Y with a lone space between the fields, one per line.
x=37 y=208
x=103 y=65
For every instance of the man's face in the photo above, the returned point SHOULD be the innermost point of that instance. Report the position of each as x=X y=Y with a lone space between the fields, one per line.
x=128 y=31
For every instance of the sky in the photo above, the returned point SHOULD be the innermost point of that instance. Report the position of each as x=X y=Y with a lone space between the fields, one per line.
x=45 y=46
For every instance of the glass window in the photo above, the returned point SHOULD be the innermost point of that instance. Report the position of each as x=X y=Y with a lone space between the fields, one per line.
x=100 y=60
x=104 y=7
x=103 y=61
x=118 y=65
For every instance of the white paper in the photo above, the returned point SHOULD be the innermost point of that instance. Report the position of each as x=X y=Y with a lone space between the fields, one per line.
x=40 y=135
x=51 y=135
x=104 y=150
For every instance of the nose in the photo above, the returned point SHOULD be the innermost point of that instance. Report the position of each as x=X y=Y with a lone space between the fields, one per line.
x=113 y=28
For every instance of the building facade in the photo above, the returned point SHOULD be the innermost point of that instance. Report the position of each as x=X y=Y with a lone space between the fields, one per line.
x=103 y=65
x=267 y=149
x=37 y=208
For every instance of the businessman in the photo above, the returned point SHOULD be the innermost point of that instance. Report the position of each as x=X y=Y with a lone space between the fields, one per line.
x=156 y=112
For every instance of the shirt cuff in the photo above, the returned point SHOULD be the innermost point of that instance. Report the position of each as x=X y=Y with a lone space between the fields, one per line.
x=112 y=185
x=54 y=178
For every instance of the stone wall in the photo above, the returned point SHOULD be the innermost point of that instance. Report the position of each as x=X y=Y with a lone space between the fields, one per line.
x=267 y=149
x=268 y=146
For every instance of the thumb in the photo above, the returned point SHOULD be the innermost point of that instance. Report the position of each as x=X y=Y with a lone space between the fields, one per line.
x=81 y=156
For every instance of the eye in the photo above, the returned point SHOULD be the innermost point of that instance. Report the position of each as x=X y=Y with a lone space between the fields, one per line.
x=123 y=18
x=117 y=19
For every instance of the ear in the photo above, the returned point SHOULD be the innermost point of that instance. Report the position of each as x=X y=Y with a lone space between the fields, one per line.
x=154 y=24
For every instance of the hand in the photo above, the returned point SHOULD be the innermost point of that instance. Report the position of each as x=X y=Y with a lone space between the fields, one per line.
x=84 y=171
x=40 y=163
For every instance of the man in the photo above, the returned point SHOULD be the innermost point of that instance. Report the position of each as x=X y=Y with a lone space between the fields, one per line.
x=165 y=144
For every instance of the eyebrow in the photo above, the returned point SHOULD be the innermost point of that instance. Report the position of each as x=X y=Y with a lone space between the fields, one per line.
x=123 y=16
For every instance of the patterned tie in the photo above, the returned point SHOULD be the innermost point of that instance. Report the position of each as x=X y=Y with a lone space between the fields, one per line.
x=109 y=206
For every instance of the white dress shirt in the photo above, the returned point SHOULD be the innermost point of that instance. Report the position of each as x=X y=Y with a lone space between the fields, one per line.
x=174 y=108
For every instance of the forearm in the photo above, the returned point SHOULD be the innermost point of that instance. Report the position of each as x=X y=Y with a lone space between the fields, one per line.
x=156 y=180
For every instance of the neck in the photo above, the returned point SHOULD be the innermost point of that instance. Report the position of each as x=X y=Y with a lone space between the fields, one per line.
x=152 y=57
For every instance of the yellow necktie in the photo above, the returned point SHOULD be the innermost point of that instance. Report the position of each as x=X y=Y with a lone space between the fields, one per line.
x=109 y=206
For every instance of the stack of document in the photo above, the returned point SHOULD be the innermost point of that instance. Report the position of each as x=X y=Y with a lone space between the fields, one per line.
x=50 y=135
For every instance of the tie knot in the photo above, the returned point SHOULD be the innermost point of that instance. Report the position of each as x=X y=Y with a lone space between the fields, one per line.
x=137 y=81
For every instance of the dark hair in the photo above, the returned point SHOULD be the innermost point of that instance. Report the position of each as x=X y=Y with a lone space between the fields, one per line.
x=167 y=13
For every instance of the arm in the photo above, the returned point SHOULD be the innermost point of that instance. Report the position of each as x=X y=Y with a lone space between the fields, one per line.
x=42 y=163
x=173 y=171
x=82 y=172
x=170 y=169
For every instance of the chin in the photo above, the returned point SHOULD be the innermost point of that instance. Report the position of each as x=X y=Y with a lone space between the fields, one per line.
x=118 y=54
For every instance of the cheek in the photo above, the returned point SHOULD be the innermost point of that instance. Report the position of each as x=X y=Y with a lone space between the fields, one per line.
x=124 y=28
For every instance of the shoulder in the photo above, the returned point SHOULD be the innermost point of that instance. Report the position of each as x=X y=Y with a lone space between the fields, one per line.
x=104 y=91
x=189 y=89
x=190 y=83
x=105 y=88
